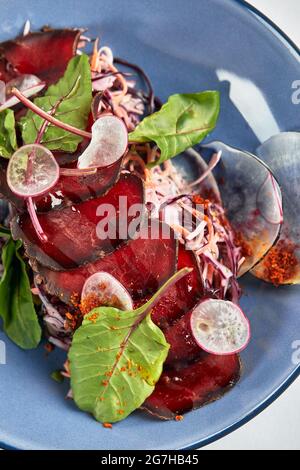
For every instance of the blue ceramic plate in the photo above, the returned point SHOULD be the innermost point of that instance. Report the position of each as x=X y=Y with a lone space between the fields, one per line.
x=185 y=47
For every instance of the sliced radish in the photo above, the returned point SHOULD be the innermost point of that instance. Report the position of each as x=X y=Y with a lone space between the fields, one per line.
x=29 y=85
x=77 y=172
x=220 y=327
x=211 y=166
x=269 y=201
x=32 y=171
x=103 y=289
x=109 y=143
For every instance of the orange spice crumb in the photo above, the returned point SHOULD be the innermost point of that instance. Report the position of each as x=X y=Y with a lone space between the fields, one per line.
x=281 y=264
x=93 y=318
x=201 y=201
x=49 y=347
x=246 y=249
x=107 y=425
x=179 y=418
x=74 y=299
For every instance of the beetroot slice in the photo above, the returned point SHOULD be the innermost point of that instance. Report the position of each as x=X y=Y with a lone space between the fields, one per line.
x=181 y=297
x=79 y=188
x=44 y=54
x=73 y=231
x=142 y=266
x=188 y=387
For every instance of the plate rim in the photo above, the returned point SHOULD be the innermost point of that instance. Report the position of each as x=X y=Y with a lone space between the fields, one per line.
x=274 y=395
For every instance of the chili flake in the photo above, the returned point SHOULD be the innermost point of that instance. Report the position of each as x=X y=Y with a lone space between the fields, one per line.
x=281 y=264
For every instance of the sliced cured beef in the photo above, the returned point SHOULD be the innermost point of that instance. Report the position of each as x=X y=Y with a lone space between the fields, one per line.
x=83 y=232
x=190 y=386
x=76 y=189
x=142 y=266
x=181 y=297
x=44 y=54
x=183 y=347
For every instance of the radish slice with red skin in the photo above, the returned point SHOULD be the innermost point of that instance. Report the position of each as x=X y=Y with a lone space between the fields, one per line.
x=252 y=198
x=109 y=143
x=29 y=85
x=103 y=289
x=269 y=201
x=32 y=171
x=220 y=327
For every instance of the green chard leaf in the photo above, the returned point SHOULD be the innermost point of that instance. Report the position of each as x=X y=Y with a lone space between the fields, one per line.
x=182 y=122
x=116 y=358
x=8 y=139
x=4 y=232
x=16 y=305
x=69 y=100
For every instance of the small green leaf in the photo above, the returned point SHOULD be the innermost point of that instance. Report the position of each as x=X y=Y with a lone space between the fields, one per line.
x=8 y=139
x=182 y=122
x=16 y=305
x=4 y=231
x=57 y=376
x=116 y=358
x=69 y=100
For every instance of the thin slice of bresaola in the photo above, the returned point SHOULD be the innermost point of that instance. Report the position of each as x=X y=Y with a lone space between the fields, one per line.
x=44 y=54
x=142 y=266
x=78 y=234
x=187 y=387
x=77 y=189
x=182 y=296
x=183 y=347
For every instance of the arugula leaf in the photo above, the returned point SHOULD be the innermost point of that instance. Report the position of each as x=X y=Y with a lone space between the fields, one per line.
x=8 y=139
x=116 y=358
x=181 y=123
x=16 y=305
x=69 y=100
